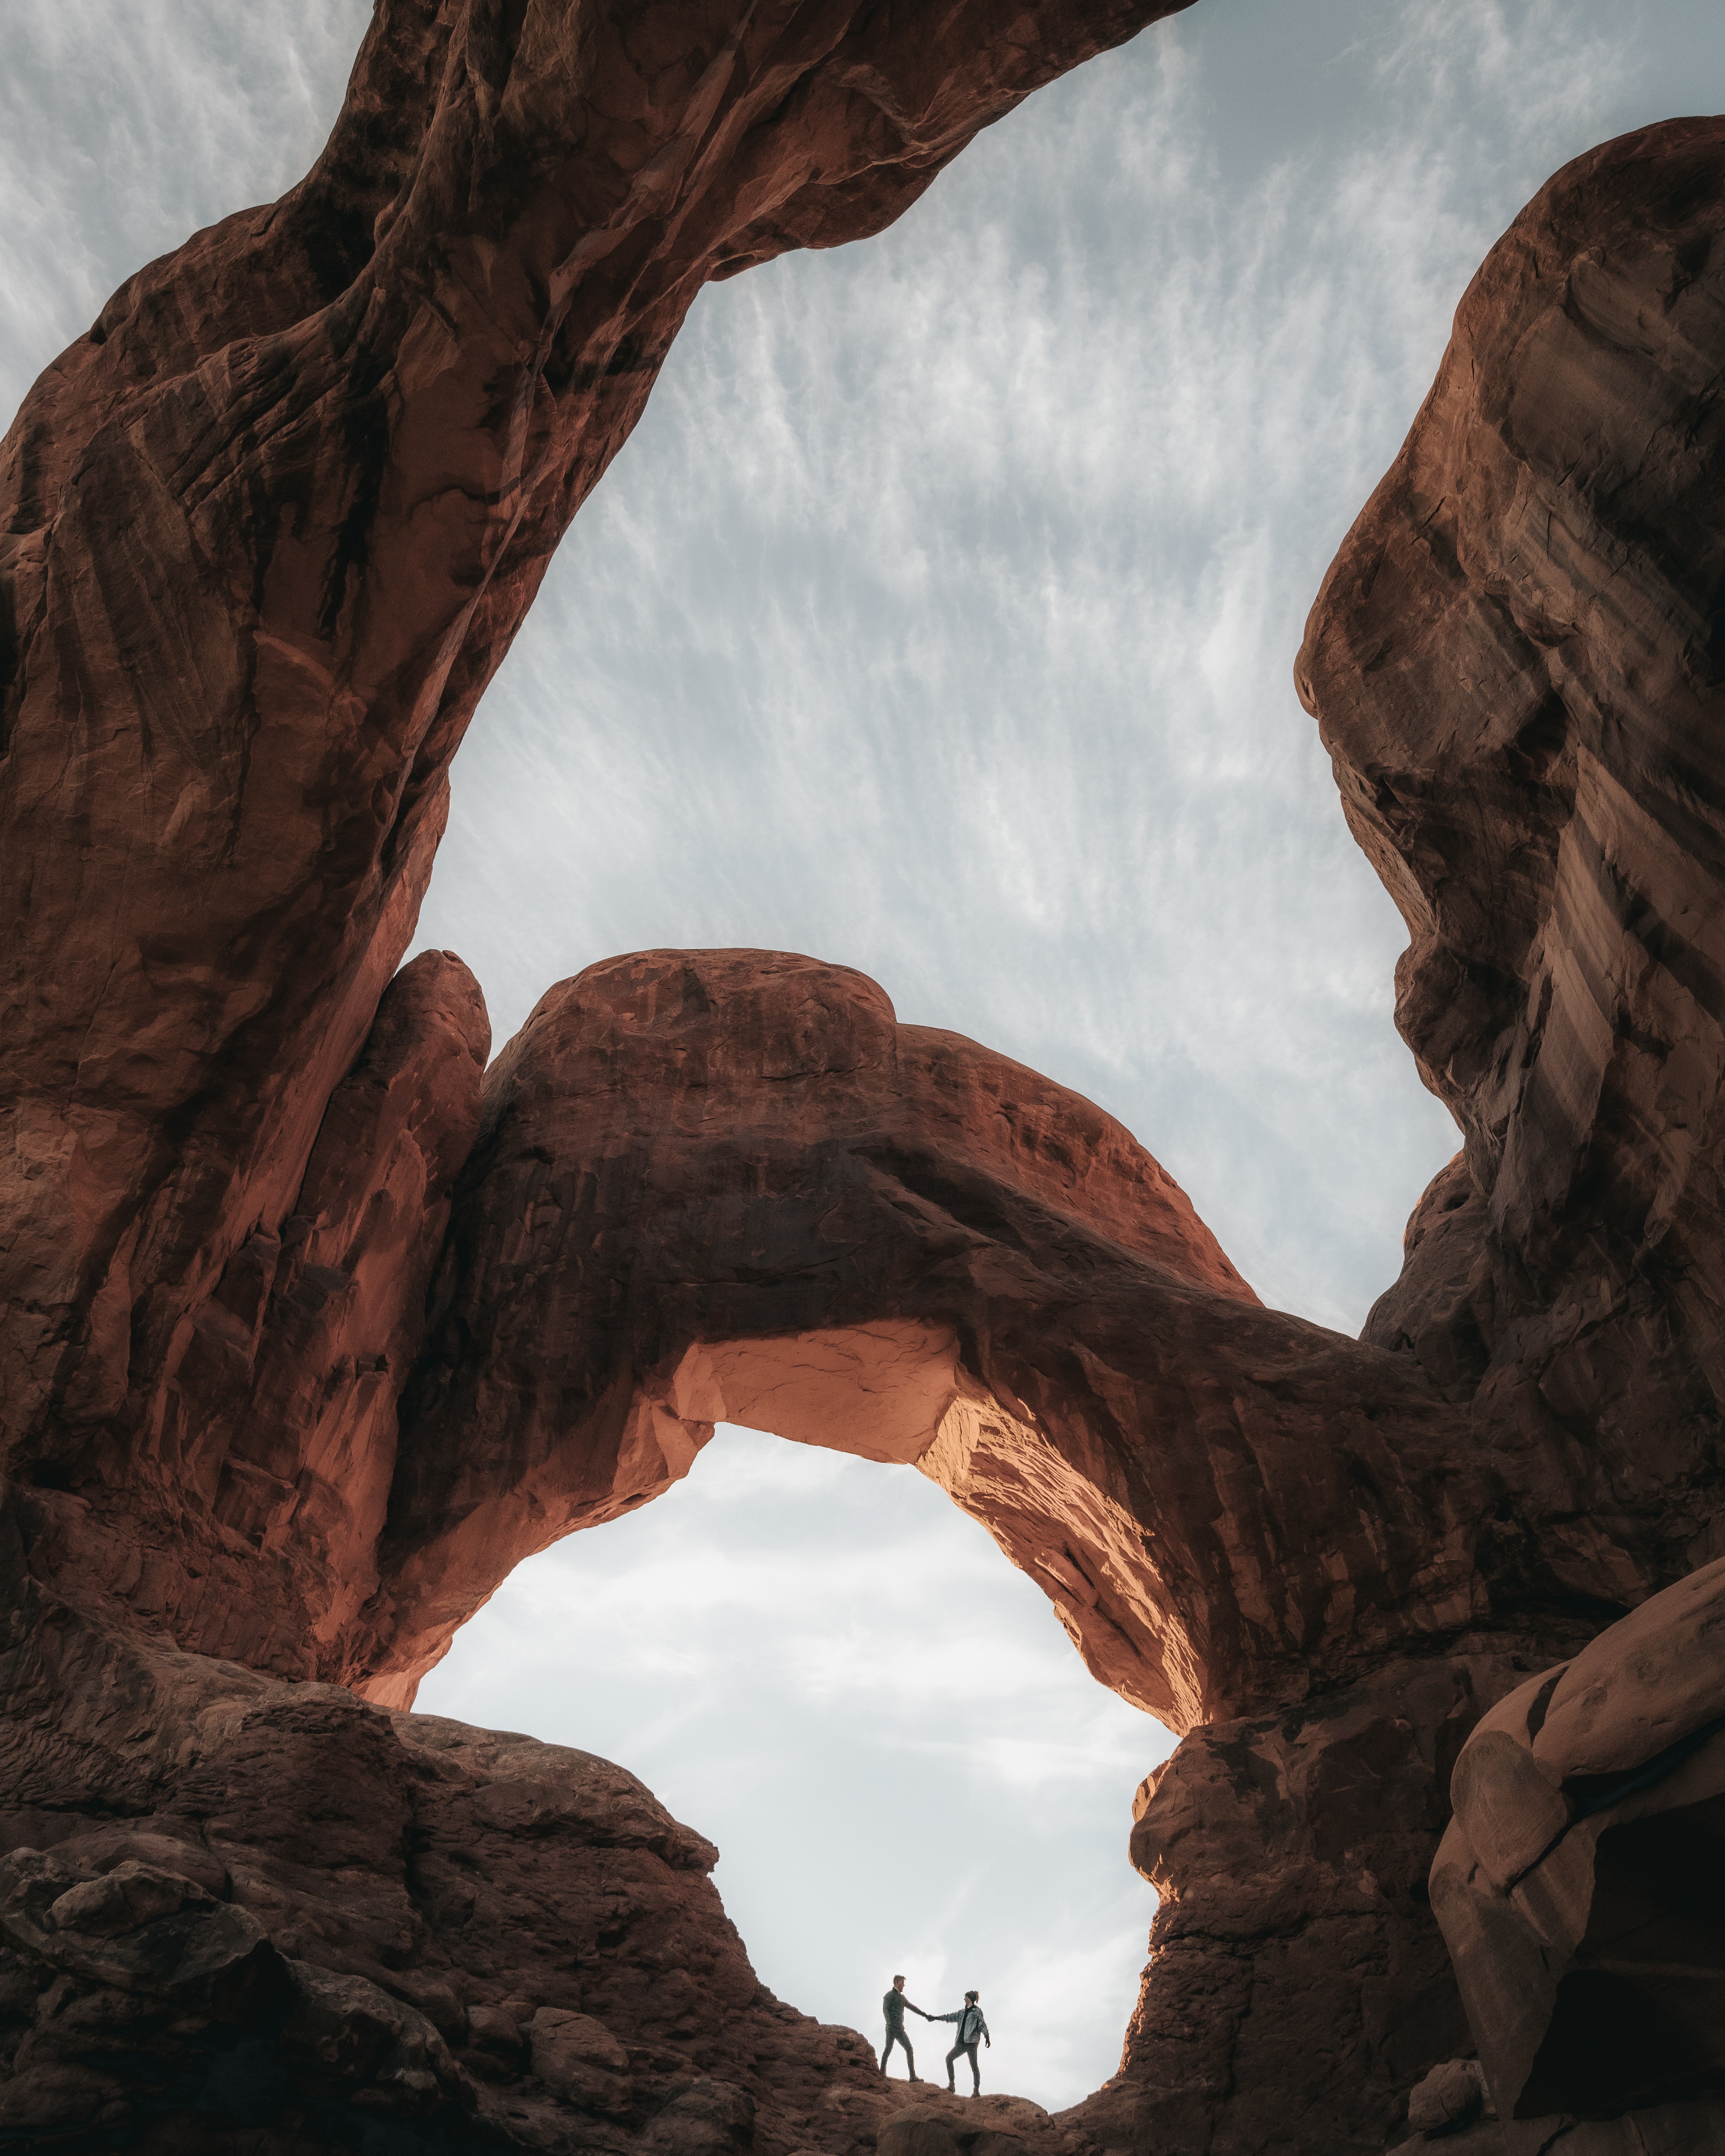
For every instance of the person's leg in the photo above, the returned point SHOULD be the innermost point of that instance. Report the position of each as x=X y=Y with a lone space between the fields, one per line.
x=951 y=2056
x=898 y=2036
x=976 y=2071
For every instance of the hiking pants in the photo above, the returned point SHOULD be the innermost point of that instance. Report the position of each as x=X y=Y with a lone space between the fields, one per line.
x=965 y=2052
x=898 y=2036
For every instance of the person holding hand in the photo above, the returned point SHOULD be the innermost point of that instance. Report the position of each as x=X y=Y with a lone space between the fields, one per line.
x=893 y=2006
x=972 y=2030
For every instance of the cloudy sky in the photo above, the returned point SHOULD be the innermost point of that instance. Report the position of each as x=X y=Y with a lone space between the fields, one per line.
x=939 y=620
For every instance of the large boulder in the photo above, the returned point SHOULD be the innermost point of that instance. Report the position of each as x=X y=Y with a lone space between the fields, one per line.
x=1515 y=663
x=1581 y=1884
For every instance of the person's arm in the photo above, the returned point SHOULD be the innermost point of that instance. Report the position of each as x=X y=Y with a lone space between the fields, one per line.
x=915 y=2008
x=944 y=2017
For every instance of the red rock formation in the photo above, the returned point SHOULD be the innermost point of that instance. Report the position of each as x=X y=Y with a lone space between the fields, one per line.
x=1515 y=663
x=683 y=1152
x=727 y=1184
x=268 y=530
x=1581 y=1885
x=730 y=1184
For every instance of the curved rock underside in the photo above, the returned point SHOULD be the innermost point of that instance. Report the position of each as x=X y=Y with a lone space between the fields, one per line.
x=310 y=1335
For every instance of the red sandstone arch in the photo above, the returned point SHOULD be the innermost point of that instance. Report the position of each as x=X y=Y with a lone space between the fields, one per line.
x=727 y=1185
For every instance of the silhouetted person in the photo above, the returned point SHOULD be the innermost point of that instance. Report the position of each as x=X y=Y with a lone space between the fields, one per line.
x=893 y=2007
x=972 y=2030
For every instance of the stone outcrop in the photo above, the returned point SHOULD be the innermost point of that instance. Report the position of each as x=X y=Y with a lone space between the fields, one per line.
x=1517 y=667
x=305 y=1339
x=240 y=1913
x=1581 y=1884
x=266 y=533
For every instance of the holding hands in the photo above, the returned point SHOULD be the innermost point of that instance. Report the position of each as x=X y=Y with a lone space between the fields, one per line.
x=972 y=2029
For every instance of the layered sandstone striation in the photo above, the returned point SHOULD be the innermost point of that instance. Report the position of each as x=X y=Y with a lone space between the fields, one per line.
x=1517 y=666
x=306 y=1336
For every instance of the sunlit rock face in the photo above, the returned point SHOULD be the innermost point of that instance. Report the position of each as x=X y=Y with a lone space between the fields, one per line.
x=1518 y=664
x=1517 y=667
x=307 y=1337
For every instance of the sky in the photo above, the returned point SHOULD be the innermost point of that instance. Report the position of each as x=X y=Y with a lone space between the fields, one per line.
x=832 y=1672
x=939 y=619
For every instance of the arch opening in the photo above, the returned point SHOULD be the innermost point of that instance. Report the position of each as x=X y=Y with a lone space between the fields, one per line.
x=730 y=1185
x=902 y=1765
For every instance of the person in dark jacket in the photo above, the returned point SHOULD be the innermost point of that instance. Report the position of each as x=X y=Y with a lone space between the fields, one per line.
x=893 y=2007
x=972 y=2030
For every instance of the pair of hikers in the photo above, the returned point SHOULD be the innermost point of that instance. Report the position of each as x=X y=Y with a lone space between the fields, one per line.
x=972 y=2030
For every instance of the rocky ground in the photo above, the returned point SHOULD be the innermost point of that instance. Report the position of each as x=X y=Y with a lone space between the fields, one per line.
x=242 y=1914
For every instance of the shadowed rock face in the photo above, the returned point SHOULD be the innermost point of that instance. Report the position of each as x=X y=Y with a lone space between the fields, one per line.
x=703 y=1176
x=266 y=533
x=1581 y=1885
x=268 y=529
x=240 y=1913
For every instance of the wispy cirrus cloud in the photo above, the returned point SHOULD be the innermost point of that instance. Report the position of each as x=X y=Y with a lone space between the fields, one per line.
x=128 y=125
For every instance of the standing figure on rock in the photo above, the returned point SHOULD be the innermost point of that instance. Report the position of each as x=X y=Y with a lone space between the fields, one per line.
x=893 y=2007
x=971 y=2028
